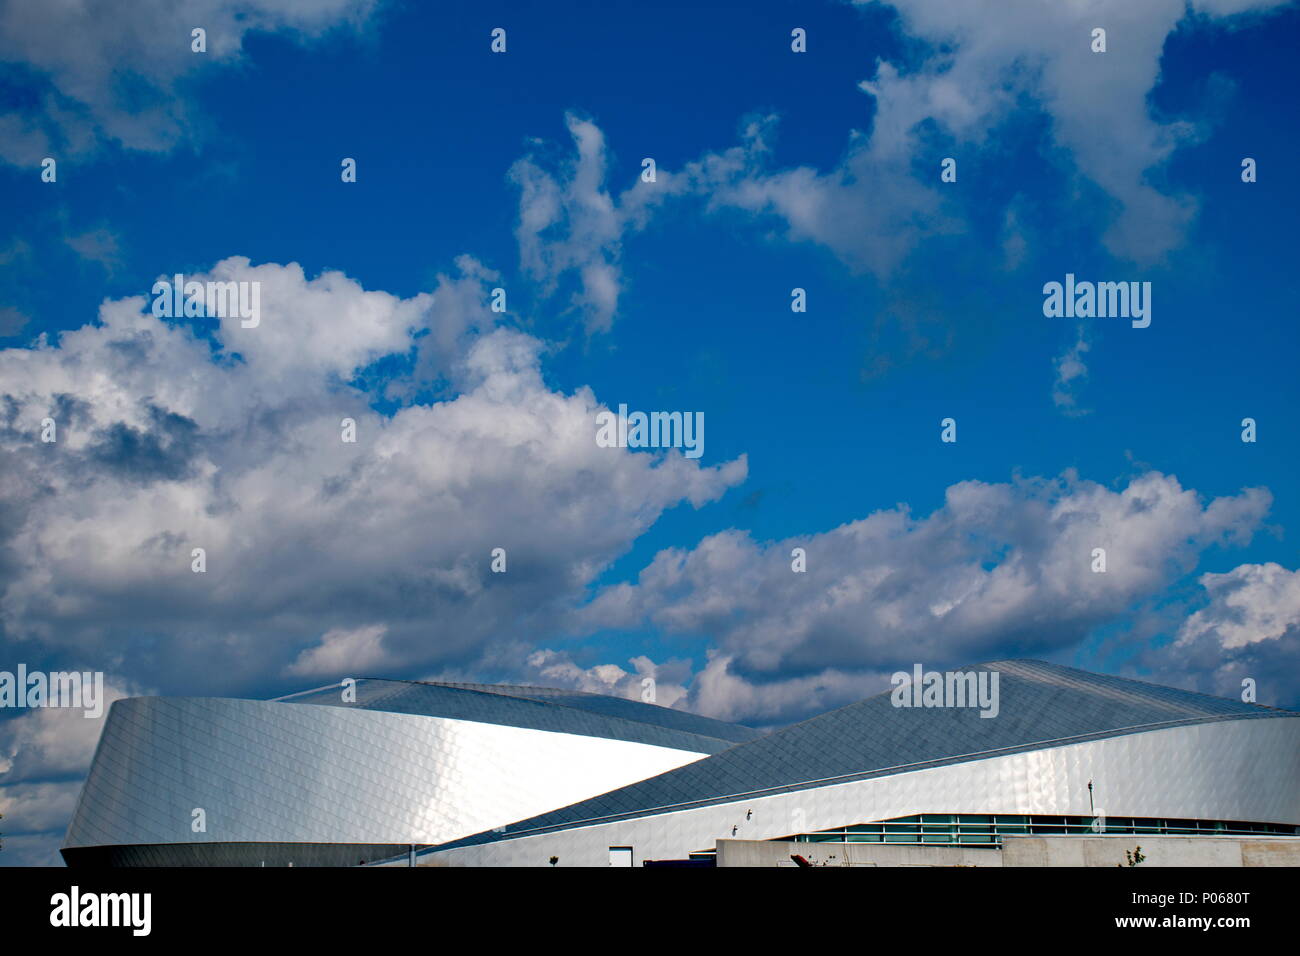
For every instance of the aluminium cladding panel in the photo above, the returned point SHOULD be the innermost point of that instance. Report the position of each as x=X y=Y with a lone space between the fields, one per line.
x=1038 y=703
x=274 y=772
x=1246 y=770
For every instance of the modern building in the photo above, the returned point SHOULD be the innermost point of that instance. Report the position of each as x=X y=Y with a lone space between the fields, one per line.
x=348 y=774
x=484 y=776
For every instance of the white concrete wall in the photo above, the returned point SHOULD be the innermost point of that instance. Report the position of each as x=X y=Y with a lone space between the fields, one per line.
x=771 y=853
x=1108 y=850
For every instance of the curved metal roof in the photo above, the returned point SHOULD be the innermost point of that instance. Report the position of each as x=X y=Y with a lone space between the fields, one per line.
x=538 y=708
x=1040 y=705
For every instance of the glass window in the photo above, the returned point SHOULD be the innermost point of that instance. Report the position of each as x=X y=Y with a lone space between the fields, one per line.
x=988 y=830
x=902 y=832
x=938 y=828
x=974 y=828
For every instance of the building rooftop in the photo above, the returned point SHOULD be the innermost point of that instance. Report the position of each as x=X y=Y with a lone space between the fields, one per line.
x=1040 y=705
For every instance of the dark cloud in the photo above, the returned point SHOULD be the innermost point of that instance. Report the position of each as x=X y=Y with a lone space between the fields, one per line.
x=162 y=450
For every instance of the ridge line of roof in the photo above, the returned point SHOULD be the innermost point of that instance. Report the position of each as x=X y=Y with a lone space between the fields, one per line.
x=1134 y=680
x=622 y=719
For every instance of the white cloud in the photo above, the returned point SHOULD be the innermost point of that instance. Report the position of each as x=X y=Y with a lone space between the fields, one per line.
x=53 y=741
x=997 y=567
x=115 y=72
x=360 y=649
x=1246 y=634
x=37 y=807
x=716 y=691
x=1249 y=605
x=990 y=54
x=869 y=210
x=988 y=60
x=552 y=668
x=166 y=444
x=569 y=222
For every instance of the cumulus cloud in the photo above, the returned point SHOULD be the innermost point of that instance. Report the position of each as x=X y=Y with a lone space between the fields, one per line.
x=37 y=807
x=101 y=73
x=54 y=741
x=176 y=435
x=719 y=691
x=458 y=313
x=998 y=569
x=990 y=56
x=713 y=690
x=360 y=650
x=1248 y=628
x=553 y=668
x=1249 y=605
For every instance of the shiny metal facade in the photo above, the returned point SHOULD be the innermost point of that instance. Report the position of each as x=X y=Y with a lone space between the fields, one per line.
x=499 y=775
x=287 y=773
x=1245 y=769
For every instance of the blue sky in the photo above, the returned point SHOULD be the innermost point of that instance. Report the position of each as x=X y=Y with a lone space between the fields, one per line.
x=776 y=170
